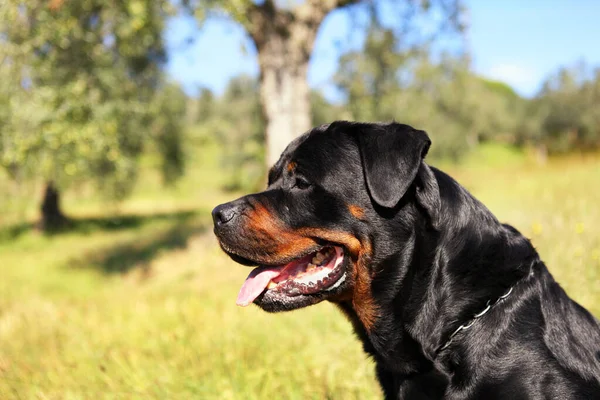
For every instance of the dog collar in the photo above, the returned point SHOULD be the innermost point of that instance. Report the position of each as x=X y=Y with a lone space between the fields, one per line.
x=488 y=306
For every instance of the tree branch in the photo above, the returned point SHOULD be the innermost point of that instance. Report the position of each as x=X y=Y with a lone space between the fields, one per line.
x=329 y=5
x=315 y=10
x=257 y=17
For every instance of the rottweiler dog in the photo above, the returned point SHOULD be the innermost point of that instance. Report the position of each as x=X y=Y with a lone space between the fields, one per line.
x=449 y=302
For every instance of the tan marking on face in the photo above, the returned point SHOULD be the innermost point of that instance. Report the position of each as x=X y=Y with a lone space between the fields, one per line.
x=357 y=211
x=291 y=166
x=272 y=241
x=362 y=297
x=351 y=243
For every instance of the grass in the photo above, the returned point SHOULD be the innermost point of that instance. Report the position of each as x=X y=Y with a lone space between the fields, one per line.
x=139 y=302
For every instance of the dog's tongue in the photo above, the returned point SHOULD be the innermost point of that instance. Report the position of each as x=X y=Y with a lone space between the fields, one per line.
x=255 y=283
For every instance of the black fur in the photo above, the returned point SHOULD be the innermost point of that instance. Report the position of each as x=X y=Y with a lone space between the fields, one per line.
x=438 y=256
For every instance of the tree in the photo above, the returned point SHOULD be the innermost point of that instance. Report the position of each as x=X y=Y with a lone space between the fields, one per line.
x=167 y=114
x=233 y=119
x=81 y=94
x=568 y=103
x=284 y=34
x=369 y=77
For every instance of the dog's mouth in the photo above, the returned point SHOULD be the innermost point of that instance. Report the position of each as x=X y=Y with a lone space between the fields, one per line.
x=319 y=271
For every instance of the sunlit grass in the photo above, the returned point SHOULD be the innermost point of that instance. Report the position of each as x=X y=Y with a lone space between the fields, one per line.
x=147 y=310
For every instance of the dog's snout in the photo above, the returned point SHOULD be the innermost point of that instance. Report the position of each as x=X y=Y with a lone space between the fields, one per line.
x=224 y=213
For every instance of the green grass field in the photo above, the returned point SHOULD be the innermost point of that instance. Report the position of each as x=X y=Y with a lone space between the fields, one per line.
x=137 y=301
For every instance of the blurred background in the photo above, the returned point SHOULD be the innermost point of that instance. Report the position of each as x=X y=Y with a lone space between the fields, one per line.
x=123 y=123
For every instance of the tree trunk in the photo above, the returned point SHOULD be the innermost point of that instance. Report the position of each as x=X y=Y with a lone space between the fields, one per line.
x=284 y=40
x=284 y=94
x=286 y=106
x=52 y=216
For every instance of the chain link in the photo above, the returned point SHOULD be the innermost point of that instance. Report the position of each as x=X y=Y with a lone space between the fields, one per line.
x=488 y=307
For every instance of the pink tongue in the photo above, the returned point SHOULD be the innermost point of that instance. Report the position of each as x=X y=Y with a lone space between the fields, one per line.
x=255 y=283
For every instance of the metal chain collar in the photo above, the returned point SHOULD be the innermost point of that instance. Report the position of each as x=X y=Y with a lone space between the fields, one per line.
x=488 y=307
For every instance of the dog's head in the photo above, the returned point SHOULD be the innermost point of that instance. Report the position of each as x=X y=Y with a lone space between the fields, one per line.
x=329 y=210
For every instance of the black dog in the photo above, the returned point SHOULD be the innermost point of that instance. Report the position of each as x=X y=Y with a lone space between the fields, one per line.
x=450 y=302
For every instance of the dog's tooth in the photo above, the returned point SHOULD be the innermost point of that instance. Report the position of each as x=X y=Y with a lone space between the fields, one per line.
x=271 y=285
x=318 y=258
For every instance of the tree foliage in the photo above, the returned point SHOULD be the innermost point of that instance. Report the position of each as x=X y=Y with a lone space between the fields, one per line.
x=568 y=110
x=82 y=92
x=235 y=122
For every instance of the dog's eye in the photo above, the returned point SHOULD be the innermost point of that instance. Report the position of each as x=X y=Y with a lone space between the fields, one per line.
x=301 y=183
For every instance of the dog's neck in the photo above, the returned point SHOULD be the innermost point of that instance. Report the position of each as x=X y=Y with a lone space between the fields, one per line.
x=416 y=279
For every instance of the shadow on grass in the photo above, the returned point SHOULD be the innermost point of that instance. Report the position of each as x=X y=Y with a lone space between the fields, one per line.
x=14 y=231
x=92 y=224
x=141 y=250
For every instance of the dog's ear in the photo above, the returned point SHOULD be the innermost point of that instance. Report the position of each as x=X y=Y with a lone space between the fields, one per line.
x=391 y=156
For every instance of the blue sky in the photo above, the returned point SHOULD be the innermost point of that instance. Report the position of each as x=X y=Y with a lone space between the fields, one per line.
x=518 y=42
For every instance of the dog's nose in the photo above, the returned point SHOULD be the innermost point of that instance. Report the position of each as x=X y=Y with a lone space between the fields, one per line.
x=223 y=213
